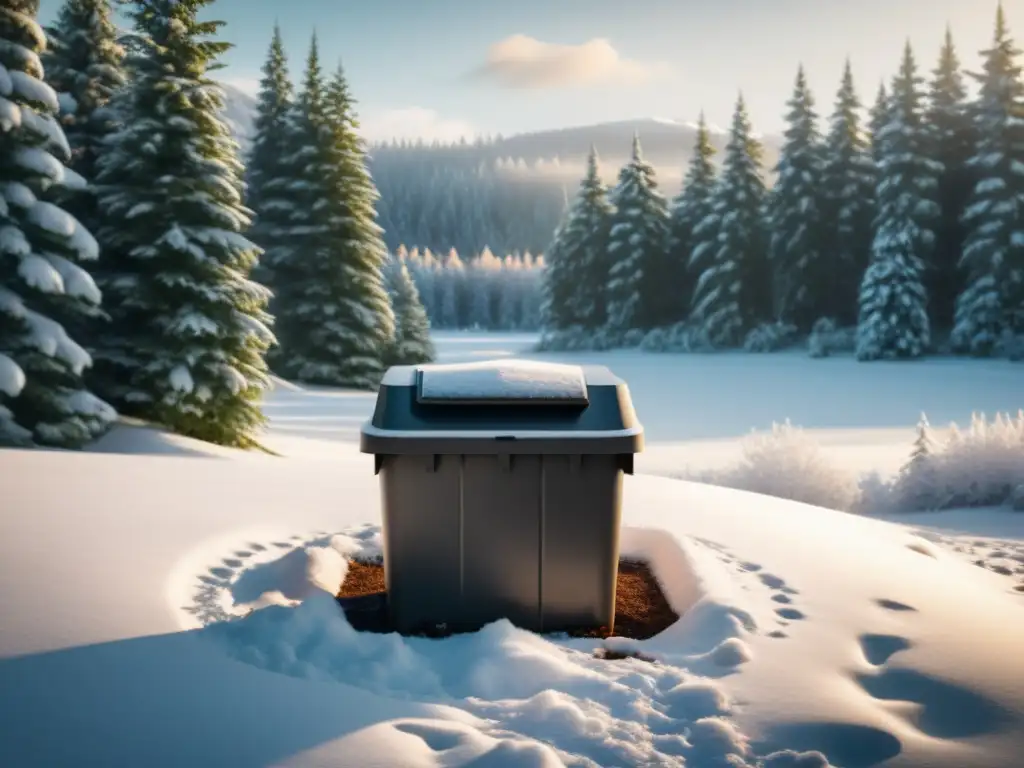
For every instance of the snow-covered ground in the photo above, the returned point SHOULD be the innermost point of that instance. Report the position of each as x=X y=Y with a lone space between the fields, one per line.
x=872 y=642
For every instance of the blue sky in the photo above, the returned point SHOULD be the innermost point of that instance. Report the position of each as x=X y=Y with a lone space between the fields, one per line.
x=440 y=68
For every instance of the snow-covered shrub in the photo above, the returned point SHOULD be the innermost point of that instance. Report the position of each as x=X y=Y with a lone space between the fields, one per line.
x=1017 y=499
x=684 y=337
x=656 y=340
x=561 y=340
x=770 y=337
x=1011 y=346
x=828 y=339
x=633 y=338
x=787 y=463
x=980 y=467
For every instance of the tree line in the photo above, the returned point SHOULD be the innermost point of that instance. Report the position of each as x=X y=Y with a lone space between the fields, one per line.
x=907 y=230
x=485 y=293
x=134 y=276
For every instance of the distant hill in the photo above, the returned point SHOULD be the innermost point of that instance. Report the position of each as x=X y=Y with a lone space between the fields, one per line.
x=667 y=144
x=239 y=111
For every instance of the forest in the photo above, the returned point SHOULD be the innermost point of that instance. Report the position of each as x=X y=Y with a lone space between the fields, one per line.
x=153 y=269
x=891 y=237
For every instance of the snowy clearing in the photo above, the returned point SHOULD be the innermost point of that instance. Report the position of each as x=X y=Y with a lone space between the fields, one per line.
x=865 y=641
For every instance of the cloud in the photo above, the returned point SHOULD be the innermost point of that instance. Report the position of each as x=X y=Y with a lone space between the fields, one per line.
x=412 y=123
x=525 y=62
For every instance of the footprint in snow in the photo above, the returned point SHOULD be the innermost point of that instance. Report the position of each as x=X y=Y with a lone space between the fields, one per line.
x=793 y=614
x=878 y=649
x=894 y=605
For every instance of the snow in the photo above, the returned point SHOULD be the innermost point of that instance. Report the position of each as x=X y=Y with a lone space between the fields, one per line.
x=33 y=90
x=181 y=379
x=503 y=380
x=875 y=641
x=59 y=222
x=12 y=378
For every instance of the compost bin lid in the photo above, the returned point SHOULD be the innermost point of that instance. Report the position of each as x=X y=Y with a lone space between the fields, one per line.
x=505 y=406
x=508 y=382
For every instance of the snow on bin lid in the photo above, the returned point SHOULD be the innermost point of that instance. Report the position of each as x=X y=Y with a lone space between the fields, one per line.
x=505 y=381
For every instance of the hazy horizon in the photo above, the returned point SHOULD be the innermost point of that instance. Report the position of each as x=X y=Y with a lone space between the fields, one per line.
x=454 y=68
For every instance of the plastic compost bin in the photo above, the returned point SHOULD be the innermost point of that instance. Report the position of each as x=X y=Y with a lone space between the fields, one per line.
x=501 y=488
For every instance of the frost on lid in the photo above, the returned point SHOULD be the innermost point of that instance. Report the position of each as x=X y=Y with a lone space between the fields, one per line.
x=510 y=380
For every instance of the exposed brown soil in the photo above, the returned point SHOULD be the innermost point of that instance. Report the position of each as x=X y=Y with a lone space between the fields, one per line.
x=641 y=610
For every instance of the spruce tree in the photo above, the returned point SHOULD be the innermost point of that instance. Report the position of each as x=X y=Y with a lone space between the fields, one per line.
x=641 y=292
x=848 y=191
x=877 y=120
x=337 y=321
x=733 y=293
x=993 y=258
x=691 y=213
x=577 y=260
x=42 y=252
x=952 y=144
x=188 y=334
x=85 y=65
x=802 y=274
x=411 y=344
x=893 y=319
x=268 y=175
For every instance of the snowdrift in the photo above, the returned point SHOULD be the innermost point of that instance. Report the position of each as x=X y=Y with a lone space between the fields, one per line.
x=176 y=612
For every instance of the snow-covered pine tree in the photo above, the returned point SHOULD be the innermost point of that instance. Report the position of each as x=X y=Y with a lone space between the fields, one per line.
x=691 y=211
x=484 y=272
x=451 y=274
x=733 y=292
x=85 y=65
x=878 y=118
x=578 y=261
x=848 y=189
x=268 y=173
x=186 y=344
x=411 y=344
x=643 y=286
x=993 y=258
x=341 y=324
x=917 y=485
x=893 y=318
x=42 y=249
x=510 y=298
x=952 y=139
x=803 y=272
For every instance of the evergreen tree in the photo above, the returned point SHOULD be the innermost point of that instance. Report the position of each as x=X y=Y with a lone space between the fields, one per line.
x=85 y=65
x=848 y=191
x=641 y=291
x=338 y=323
x=412 y=344
x=893 y=320
x=691 y=212
x=188 y=334
x=952 y=145
x=993 y=301
x=803 y=277
x=448 y=308
x=877 y=120
x=578 y=264
x=733 y=293
x=268 y=173
x=917 y=485
x=42 y=249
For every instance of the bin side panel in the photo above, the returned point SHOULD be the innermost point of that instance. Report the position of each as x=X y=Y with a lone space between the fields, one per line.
x=421 y=539
x=580 y=526
x=501 y=539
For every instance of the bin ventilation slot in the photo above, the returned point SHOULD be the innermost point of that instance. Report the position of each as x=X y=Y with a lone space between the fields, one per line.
x=502 y=381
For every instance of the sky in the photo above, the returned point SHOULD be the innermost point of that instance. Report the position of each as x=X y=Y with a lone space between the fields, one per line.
x=446 y=68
